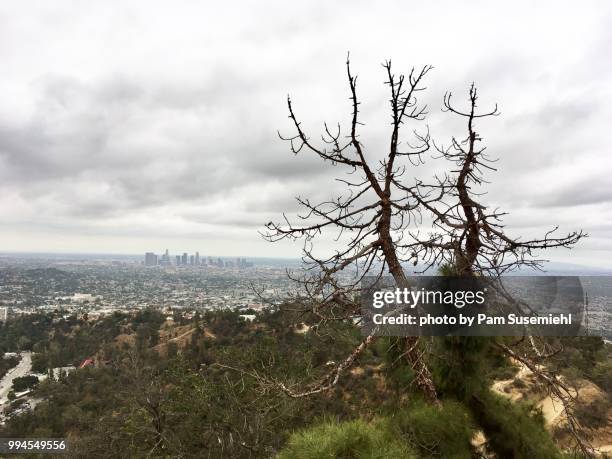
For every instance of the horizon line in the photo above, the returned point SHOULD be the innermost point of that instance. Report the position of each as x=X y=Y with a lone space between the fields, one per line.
x=119 y=254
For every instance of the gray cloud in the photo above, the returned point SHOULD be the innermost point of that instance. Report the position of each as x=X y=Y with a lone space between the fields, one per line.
x=584 y=191
x=141 y=123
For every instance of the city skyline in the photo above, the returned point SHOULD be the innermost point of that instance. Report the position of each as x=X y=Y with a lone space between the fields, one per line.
x=194 y=259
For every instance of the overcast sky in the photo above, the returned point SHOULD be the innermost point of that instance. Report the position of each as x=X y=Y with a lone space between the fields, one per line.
x=138 y=126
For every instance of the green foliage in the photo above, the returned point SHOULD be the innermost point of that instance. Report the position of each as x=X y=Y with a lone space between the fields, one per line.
x=6 y=363
x=400 y=375
x=585 y=357
x=581 y=357
x=594 y=414
x=74 y=406
x=602 y=375
x=139 y=401
x=20 y=333
x=461 y=366
x=437 y=431
x=463 y=370
x=39 y=363
x=24 y=383
x=59 y=341
x=356 y=439
x=513 y=429
x=498 y=367
x=447 y=269
x=420 y=430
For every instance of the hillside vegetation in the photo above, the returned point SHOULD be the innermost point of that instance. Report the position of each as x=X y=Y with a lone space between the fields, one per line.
x=206 y=387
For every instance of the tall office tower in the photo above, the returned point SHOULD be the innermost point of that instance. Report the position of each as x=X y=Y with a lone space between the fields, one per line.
x=191 y=260
x=3 y=314
x=165 y=259
x=197 y=258
x=220 y=262
x=150 y=259
x=178 y=260
x=184 y=259
x=210 y=261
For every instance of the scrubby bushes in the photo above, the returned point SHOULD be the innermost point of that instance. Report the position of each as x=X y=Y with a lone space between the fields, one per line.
x=594 y=414
x=436 y=431
x=356 y=439
x=513 y=429
x=6 y=363
x=602 y=375
x=419 y=430
x=24 y=383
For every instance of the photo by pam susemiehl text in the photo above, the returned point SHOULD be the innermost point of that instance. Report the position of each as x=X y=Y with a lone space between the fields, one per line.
x=510 y=306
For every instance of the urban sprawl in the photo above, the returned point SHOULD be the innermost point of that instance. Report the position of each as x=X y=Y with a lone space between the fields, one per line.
x=98 y=286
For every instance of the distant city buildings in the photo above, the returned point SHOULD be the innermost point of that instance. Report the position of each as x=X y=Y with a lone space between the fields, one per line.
x=92 y=289
x=165 y=259
x=152 y=259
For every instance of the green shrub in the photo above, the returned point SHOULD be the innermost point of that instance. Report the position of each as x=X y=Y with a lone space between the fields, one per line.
x=356 y=439
x=24 y=383
x=503 y=372
x=572 y=375
x=421 y=430
x=460 y=368
x=513 y=429
x=436 y=431
x=602 y=375
x=594 y=414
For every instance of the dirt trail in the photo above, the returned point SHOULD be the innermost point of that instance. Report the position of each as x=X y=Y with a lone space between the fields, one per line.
x=552 y=408
x=505 y=388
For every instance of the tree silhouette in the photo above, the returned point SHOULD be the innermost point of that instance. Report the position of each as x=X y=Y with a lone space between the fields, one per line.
x=372 y=213
x=378 y=220
x=467 y=235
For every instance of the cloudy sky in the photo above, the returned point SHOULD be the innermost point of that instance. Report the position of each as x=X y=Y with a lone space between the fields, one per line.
x=134 y=126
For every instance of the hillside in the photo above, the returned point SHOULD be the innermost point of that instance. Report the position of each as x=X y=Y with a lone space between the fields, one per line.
x=155 y=380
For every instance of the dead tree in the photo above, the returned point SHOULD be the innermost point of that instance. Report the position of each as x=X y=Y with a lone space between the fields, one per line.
x=467 y=235
x=379 y=214
x=469 y=239
x=373 y=214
